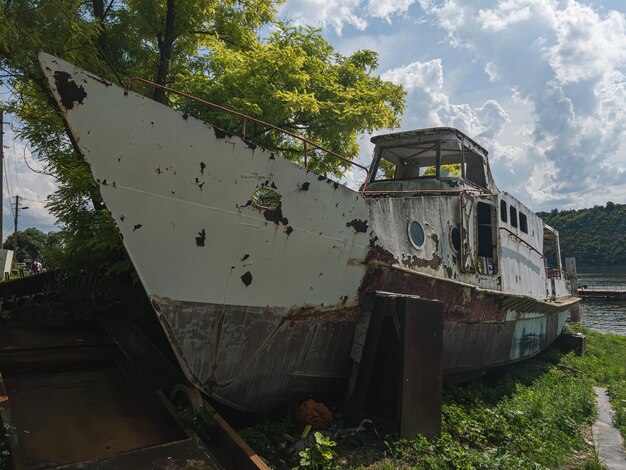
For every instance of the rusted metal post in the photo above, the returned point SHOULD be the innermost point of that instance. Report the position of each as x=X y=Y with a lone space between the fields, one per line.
x=305 y=156
x=438 y=160
x=422 y=377
x=400 y=380
x=245 y=124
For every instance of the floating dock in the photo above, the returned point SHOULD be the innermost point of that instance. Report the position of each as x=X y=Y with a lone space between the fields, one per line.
x=611 y=295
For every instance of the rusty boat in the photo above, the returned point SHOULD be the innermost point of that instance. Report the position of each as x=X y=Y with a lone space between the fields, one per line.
x=259 y=269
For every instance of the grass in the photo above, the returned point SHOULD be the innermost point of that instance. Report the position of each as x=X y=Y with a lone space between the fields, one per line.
x=532 y=415
x=5 y=455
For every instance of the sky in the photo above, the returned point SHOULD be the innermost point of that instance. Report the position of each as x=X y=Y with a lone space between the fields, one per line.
x=541 y=84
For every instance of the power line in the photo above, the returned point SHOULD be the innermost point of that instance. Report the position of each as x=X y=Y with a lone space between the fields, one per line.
x=33 y=200
x=17 y=181
x=41 y=172
x=8 y=186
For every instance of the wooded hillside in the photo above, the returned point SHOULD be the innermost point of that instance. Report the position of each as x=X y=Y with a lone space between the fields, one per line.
x=595 y=236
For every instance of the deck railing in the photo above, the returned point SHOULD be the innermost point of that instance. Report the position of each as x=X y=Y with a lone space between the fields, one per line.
x=307 y=144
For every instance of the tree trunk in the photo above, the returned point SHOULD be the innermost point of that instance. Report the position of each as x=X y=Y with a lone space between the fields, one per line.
x=166 y=44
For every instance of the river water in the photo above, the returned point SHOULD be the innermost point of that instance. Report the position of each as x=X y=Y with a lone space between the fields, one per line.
x=606 y=317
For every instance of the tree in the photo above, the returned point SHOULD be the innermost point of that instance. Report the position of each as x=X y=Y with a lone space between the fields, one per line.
x=297 y=81
x=32 y=244
x=595 y=236
x=209 y=48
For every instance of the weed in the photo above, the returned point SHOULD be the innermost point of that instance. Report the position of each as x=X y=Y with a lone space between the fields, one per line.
x=529 y=415
x=321 y=455
x=5 y=454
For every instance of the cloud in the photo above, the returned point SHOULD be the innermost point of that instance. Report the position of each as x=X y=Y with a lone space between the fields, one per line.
x=425 y=83
x=387 y=8
x=586 y=45
x=33 y=189
x=427 y=76
x=510 y=12
x=491 y=70
x=335 y=14
x=565 y=62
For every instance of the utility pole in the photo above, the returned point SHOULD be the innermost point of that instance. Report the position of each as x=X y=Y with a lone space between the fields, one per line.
x=16 y=214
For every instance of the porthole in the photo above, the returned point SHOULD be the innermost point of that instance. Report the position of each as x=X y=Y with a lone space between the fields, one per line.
x=266 y=198
x=416 y=234
x=455 y=238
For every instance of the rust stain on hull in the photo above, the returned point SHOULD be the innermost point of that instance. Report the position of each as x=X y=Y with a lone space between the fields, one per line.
x=257 y=358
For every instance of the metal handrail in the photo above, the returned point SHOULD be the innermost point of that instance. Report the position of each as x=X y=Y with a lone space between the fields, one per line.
x=245 y=118
x=523 y=241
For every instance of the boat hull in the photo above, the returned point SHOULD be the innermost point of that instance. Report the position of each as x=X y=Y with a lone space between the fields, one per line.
x=263 y=305
x=261 y=359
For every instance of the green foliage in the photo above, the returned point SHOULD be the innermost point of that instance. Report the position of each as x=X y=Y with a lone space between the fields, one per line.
x=595 y=236
x=529 y=415
x=5 y=453
x=321 y=455
x=605 y=362
x=529 y=418
x=267 y=436
x=295 y=80
x=32 y=244
x=209 y=48
x=617 y=393
x=451 y=170
x=202 y=422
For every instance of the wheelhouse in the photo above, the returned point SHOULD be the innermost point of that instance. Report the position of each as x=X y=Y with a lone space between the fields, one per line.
x=426 y=158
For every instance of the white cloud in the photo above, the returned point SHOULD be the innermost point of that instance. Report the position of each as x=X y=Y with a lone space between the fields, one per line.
x=492 y=72
x=587 y=45
x=326 y=13
x=33 y=189
x=510 y=12
x=387 y=8
x=565 y=64
x=337 y=14
x=425 y=83
x=424 y=75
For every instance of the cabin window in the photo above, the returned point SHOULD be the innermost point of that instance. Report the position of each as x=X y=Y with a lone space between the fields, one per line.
x=513 y=217
x=385 y=171
x=503 y=214
x=486 y=254
x=445 y=158
x=551 y=251
x=523 y=223
x=455 y=238
x=416 y=234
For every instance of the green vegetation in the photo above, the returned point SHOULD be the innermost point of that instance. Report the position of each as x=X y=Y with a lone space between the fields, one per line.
x=32 y=244
x=320 y=455
x=5 y=454
x=532 y=415
x=209 y=48
x=595 y=236
x=617 y=393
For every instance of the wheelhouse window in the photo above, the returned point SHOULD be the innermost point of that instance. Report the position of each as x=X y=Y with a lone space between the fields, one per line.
x=503 y=214
x=523 y=223
x=444 y=158
x=551 y=252
x=486 y=249
x=513 y=217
